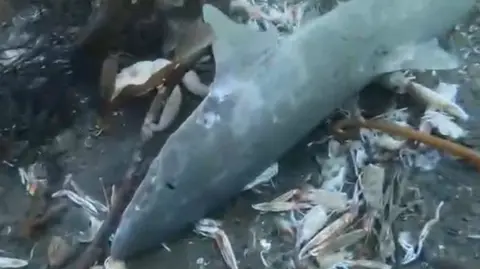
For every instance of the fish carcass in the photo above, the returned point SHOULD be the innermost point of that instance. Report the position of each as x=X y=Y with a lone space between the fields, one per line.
x=266 y=95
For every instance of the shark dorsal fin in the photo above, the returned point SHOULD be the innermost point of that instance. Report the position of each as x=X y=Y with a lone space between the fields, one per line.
x=236 y=43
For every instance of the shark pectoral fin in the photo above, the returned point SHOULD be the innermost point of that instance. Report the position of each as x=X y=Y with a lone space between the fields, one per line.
x=418 y=56
x=235 y=42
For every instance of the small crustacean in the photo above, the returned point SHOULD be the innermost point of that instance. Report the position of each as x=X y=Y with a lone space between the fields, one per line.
x=169 y=112
x=444 y=124
x=287 y=195
x=334 y=171
x=358 y=153
x=333 y=229
x=332 y=260
x=111 y=263
x=312 y=222
x=336 y=201
x=92 y=206
x=264 y=177
x=436 y=100
x=211 y=228
x=388 y=142
x=140 y=72
x=284 y=202
x=442 y=98
x=371 y=183
x=340 y=242
x=135 y=81
x=280 y=206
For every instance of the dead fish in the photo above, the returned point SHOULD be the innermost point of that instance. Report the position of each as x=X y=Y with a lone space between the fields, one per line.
x=266 y=95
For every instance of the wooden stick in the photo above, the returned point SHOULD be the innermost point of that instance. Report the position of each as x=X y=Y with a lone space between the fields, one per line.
x=409 y=133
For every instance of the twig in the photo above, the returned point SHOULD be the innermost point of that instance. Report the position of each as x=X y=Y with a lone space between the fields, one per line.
x=35 y=224
x=105 y=196
x=132 y=180
x=124 y=194
x=409 y=133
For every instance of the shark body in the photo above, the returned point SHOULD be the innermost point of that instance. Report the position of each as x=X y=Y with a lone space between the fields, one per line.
x=267 y=94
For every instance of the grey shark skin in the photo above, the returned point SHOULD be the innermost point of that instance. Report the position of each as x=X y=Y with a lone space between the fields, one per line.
x=266 y=95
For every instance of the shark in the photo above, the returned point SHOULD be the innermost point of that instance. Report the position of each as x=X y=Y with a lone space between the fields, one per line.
x=268 y=93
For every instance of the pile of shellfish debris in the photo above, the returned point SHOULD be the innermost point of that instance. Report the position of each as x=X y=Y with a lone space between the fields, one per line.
x=344 y=218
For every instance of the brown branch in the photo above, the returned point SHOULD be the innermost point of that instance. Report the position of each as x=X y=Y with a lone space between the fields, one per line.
x=130 y=183
x=409 y=133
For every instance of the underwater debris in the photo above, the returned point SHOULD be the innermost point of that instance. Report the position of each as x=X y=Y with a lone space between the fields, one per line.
x=322 y=239
x=438 y=143
x=92 y=206
x=264 y=177
x=312 y=222
x=12 y=263
x=413 y=252
x=442 y=98
x=36 y=222
x=371 y=182
x=442 y=123
x=279 y=206
x=34 y=178
x=334 y=201
x=211 y=228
